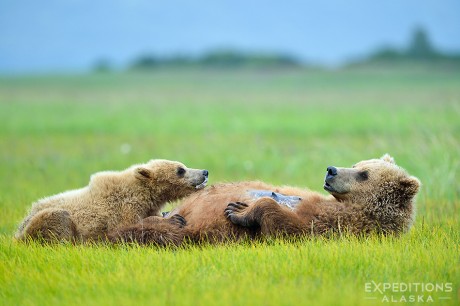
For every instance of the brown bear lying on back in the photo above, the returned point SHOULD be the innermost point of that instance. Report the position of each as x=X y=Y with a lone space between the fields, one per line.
x=373 y=196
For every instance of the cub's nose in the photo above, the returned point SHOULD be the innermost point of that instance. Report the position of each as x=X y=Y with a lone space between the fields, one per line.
x=332 y=171
x=205 y=173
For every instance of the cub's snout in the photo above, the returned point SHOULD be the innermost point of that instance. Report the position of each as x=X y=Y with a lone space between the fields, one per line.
x=199 y=178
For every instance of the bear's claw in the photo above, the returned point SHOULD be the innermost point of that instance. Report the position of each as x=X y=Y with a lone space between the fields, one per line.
x=238 y=205
x=233 y=208
x=178 y=220
x=233 y=212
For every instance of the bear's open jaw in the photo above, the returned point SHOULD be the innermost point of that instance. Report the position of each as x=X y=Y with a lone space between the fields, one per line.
x=203 y=184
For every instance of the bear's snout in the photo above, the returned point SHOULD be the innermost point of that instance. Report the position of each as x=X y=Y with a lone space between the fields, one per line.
x=202 y=179
x=329 y=179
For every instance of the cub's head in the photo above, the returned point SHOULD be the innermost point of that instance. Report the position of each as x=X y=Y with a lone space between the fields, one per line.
x=170 y=179
x=379 y=182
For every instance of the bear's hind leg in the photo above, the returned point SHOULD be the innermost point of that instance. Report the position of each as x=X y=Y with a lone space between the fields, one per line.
x=50 y=225
x=152 y=230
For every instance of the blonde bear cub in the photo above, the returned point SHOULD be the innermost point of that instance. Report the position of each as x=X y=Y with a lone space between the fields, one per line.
x=111 y=199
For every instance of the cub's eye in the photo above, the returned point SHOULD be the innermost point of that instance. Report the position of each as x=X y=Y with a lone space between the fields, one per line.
x=180 y=171
x=363 y=175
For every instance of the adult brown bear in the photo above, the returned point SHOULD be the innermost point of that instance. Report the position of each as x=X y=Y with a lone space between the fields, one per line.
x=373 y=196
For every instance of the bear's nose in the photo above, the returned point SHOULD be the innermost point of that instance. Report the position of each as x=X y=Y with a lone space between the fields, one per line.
x=332 y=171
x=205 y=173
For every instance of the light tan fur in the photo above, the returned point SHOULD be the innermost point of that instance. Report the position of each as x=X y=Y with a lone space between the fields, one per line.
x=111 y=199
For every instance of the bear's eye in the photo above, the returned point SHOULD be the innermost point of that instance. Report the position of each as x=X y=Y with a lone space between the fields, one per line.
x=363 y=175
x=180 y=171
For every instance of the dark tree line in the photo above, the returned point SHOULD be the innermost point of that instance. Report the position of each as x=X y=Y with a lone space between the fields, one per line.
x=217 y=59
x=419 y=49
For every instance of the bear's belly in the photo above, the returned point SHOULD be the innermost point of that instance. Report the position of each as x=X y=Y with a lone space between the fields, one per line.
x=289 y=201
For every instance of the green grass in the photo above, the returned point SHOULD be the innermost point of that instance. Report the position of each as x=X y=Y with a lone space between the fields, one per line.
x=280 y=127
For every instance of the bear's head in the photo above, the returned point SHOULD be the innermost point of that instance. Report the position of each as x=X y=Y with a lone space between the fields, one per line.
x=376 y=183
x=170 y=180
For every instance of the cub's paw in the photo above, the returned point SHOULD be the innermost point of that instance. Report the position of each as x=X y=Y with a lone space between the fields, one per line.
x=235 y=213
x=177 y=220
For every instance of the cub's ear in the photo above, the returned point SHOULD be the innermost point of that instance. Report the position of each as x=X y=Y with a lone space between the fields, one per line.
x=388 y=158
x=142 y=173
x=410 y=186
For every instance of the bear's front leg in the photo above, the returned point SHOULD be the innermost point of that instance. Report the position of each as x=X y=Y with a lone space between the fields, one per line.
x=273 y=219
x=239 y=214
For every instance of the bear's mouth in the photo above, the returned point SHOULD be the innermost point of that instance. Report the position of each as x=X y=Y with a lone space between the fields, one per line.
x=334 y=191
x=328 y=187
x=203 y=184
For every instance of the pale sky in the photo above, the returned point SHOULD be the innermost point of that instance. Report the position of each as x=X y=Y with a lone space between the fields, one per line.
x=70 y=35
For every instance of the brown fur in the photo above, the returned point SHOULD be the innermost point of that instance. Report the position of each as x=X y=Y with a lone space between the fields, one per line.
x=154 y=230
x=382 y=202
x=112 y=199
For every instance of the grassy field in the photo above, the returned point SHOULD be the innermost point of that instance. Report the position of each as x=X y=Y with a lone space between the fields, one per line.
x=280 y=127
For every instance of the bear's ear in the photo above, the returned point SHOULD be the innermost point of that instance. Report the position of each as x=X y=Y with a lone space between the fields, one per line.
x=142 y=173
x=386 y=157
x=410 y=185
